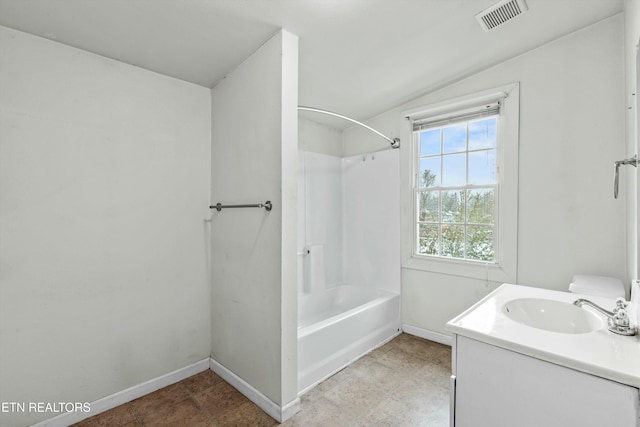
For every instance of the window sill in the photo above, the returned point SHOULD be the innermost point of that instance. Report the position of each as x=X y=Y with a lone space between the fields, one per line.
x=453 y=267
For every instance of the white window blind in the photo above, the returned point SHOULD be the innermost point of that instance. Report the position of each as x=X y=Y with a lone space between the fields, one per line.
x=484 y=110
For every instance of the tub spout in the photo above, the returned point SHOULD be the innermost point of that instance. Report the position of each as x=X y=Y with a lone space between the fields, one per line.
x=617 y=320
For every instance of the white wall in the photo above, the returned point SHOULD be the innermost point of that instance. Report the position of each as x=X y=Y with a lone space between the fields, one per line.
x=571 y=131
x=254 y=146
x=104 y=182
x=631 y=177
x=318 y=138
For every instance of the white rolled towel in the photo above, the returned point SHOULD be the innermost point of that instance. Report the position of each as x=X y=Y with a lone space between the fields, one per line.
x=601 y=286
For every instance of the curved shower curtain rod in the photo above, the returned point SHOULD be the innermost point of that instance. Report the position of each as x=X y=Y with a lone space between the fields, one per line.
x=395 y=142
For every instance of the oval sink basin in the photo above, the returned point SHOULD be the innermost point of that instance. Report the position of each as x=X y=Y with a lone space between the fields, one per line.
x=550 y=315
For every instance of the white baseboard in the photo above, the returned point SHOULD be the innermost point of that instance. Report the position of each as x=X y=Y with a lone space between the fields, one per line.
x=279 y=413
x=124 y=396
x=428 y=335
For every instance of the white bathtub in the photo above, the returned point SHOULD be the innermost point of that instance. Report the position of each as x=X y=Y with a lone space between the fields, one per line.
x=339 y=325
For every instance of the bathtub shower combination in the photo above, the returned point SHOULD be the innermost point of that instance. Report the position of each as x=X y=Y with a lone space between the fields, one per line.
x=349 y=280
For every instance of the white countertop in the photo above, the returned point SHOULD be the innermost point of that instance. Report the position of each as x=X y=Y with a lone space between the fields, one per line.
x=600 y=352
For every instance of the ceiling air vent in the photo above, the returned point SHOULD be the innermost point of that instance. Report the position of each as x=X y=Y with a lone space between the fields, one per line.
x=500 y=13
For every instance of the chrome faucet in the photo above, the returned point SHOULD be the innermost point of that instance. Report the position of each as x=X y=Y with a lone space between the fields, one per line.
x=617 y=320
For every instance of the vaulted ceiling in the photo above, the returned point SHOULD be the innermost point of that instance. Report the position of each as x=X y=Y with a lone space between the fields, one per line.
x=357 y=57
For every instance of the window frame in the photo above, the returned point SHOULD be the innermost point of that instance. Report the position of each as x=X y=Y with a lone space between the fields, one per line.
x=504 y=266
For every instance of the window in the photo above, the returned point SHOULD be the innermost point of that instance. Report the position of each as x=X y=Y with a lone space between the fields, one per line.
x=456 y=186
x=461 y=183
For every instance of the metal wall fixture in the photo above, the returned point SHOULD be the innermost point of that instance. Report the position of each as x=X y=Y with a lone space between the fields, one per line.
x=266 y=205
x=633 y=161
x=395 y=142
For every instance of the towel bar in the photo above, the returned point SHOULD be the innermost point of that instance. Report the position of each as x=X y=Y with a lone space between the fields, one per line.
x=266 y=205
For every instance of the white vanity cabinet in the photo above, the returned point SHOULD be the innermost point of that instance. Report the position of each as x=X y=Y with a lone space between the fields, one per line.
x=495 y=387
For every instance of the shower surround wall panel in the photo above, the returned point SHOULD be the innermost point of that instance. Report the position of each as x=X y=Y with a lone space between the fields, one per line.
x=350 y=207
x=371 y=221
x=320 y=147
x=254 y=159
x=104 y=188
x=320 y=220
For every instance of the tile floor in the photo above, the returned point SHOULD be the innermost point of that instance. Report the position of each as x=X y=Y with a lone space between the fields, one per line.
x=403 y=383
